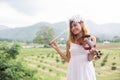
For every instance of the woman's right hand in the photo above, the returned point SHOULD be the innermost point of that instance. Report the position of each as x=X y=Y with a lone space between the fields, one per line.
x=53 y=44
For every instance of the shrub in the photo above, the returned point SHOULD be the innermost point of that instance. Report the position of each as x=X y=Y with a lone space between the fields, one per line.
x=102 y=64
x=57 y=60
x=113 y=63
x=39 y=65
x=10 y=69
x=104 y=60
x=113 y=68
x=50 y=70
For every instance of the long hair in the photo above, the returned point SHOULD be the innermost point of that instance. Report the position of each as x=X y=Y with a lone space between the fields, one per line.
x=71 y=36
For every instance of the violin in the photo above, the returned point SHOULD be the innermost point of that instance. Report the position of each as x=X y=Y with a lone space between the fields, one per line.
x=88 y=43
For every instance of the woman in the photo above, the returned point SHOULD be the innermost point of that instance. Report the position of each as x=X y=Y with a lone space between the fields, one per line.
x=80 y=65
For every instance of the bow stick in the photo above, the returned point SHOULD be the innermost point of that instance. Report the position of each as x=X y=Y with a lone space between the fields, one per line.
x=58 y=36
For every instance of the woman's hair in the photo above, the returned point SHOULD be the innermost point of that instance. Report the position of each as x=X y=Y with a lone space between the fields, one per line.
x=71 y=36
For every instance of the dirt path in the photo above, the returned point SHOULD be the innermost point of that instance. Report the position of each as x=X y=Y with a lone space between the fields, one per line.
x=107 y=46
x=63 y=78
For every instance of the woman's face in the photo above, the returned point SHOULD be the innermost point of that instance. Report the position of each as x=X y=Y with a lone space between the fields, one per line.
x=75 y=28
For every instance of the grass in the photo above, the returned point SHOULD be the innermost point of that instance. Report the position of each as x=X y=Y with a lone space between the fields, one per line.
x=46 y=57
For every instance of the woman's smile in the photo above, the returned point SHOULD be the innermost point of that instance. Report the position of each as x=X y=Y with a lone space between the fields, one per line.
x=76 y=28
x=75 y=31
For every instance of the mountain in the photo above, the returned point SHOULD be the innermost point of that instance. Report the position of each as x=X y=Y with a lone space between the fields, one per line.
x=104 y=31
x=2 y=27
x=22 y=33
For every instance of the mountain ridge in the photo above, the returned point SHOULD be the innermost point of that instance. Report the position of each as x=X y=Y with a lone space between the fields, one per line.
x=104 y=31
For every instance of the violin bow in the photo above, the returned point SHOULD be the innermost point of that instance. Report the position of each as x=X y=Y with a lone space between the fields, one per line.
x=58 y=36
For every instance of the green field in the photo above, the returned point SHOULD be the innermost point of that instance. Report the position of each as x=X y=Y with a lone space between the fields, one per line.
x=51 y=67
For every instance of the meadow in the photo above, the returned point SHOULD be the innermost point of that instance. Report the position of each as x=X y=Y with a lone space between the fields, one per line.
x=50 y=66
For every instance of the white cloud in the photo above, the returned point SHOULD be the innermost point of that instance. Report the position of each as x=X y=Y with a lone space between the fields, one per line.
x=29 y=7
x=12 y=18
x=25 y=12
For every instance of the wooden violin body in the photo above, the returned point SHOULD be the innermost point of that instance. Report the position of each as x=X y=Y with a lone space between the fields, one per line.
x=85 y=45
x=87 y=42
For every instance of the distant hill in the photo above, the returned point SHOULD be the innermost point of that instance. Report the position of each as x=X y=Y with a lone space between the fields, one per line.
x=104 y=31
x=2 y=27
x=22 y=33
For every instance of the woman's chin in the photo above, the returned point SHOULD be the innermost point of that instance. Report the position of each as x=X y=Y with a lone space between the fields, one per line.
x=76 y=34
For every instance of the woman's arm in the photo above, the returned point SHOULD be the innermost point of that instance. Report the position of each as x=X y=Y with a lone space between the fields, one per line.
x=65 y=57
x=91 y=54
x=67 y=50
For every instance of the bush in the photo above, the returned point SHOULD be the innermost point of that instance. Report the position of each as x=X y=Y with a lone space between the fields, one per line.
x=113 y=63
x=113 y=68
x=104 y=60
x=102 y=64
x=10 y=69
x=38 y=65
x=16 y=71
x=46 y=46
x=50 y=70
x=57 y=60
x=63 y=61
x=43 y=67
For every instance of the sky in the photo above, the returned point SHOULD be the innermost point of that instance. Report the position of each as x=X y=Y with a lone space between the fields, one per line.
x=21 y=13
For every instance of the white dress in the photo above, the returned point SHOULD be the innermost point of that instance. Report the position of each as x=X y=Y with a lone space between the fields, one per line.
x=79 y=68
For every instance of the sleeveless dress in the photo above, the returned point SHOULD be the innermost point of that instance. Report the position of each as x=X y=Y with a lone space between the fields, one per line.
x=79 y=68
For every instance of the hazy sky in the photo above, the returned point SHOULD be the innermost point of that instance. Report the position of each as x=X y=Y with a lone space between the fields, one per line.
x=19 y=13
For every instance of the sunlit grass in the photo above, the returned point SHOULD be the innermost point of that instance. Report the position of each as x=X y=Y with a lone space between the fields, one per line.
x=44 y=60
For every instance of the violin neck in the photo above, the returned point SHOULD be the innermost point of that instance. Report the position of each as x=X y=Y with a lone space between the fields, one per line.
x=85 y=36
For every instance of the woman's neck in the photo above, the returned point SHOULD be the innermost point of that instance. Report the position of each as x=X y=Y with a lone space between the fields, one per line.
x=77 y=37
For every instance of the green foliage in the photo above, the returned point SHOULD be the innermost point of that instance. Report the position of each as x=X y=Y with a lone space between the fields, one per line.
x=44 y=35
x=104 y=60
x=53 y=70
x=16 y=71
x=46 y=46
x=10 y=69
x=98 y=39
x=63 y=61
x=5 y=40
x=113 y=63
x=13 y=50
x=8 y=51
x=113 y=68
x=116 y=39
x=57 y=60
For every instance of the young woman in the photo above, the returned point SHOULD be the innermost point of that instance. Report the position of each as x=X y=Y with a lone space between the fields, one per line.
x=80 y=66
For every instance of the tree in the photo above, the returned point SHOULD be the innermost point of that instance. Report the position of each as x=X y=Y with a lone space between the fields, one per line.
x=44 y=35
x=98 y=39
x=116 y=39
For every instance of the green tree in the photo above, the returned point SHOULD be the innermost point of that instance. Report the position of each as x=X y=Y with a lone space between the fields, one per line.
x=98 y=39
x=116 y=39
x=44 y=35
